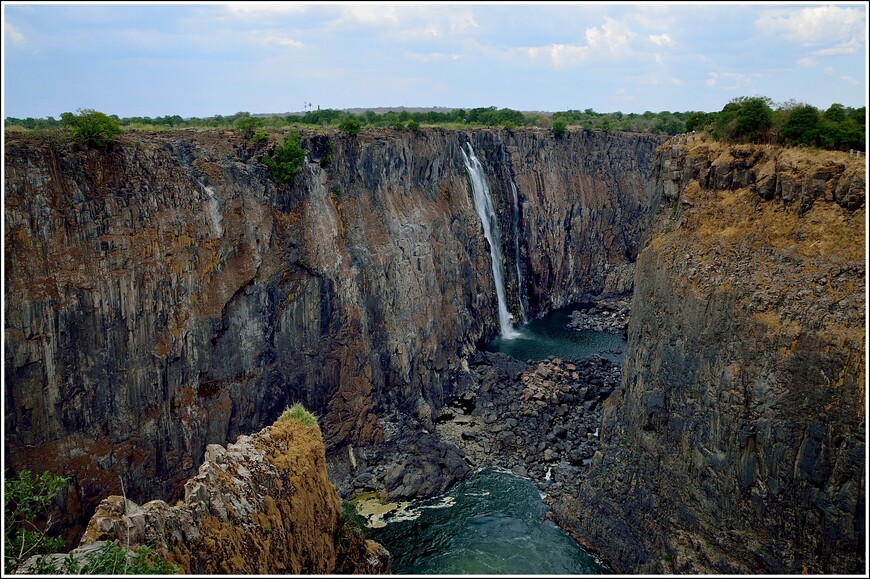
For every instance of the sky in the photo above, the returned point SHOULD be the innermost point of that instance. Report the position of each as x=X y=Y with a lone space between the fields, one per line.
x=204 y=59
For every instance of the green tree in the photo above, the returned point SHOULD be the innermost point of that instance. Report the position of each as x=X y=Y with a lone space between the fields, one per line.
x=559 y=128
x=248 y=125
x=696 y=121
x=286 y=161
x=93 y=128
x=350 y=125
x=801 y=125
x=754 y=119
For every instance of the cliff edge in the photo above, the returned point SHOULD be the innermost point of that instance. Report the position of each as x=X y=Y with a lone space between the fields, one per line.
x=263 y=505
x=736 y=442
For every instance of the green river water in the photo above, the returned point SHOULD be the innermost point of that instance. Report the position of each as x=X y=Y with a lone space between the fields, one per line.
x=493 y=523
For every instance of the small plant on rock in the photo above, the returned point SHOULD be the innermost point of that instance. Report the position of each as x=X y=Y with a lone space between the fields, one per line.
x=300 y=414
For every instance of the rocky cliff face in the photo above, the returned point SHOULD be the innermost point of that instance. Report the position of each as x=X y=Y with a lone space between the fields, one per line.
x=164 y=294
x=736 y=443
x=263 y=505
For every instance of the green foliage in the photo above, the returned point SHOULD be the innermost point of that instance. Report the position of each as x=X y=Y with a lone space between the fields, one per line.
x=248 y=125
x=113 y=559
x=350 y=125
x=27 y=505
x=696 y=121
x=286 y=161
x=260 y=136
x=801 y=125
x=91 y=127
x=300 y=414
x=744 y=120
x=559 y=128
x=352 y=520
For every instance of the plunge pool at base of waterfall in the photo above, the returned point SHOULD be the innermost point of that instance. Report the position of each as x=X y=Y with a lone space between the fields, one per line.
x=550 y=336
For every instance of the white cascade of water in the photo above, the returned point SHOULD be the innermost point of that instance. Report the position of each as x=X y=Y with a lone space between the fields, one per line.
x=486 y=212
x=521 y=284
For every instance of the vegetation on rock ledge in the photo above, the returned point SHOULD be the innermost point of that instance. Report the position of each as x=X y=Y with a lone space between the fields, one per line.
x=300 y=414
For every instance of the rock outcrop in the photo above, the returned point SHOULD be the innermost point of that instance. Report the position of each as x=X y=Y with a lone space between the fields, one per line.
x=263 y=505
x=736 y=442
x=163 y=294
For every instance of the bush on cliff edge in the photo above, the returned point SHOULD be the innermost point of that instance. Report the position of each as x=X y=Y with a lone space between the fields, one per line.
x=298 y=413
x=286 y=161
x=91 y=127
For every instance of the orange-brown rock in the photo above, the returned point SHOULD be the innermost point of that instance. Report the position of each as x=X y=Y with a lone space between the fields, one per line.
x=736 y=443
x=263 y=505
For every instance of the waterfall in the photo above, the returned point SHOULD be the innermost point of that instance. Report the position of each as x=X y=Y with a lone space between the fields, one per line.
x=521 y=284
x=486 y=212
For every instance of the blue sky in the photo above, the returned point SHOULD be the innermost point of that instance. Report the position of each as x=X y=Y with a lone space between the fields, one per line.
x=221 y=58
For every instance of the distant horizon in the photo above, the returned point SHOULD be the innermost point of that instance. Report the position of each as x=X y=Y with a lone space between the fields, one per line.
x=382 y=110
x=202 y=60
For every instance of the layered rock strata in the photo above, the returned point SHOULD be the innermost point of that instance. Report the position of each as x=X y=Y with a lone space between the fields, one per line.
x=263 y=505
x=164 y=294
x=736 y=442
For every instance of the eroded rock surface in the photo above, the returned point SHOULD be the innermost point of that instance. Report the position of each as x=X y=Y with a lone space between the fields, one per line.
x=736 y=442
x=163 y=294
x=263 y=505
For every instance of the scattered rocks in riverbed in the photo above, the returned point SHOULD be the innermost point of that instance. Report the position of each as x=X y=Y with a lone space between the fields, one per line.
x=532 y=419
x=609 y=315
x=539 y=420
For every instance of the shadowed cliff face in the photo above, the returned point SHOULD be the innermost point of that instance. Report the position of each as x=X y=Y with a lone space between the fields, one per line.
x=737 y=441
x=164 y=294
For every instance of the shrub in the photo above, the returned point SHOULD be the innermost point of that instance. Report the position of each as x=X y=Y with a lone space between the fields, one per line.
x=559 y=128
x=298 y=413
x=286 y=161
x=413 y=125
x=113 y=559
x=260 y=136
x=248 y=125
x=350 y=125
x=352 y=520
x=26 y=500
x=93 y=128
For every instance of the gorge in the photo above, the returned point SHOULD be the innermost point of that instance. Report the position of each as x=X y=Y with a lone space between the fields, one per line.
x=164 y=295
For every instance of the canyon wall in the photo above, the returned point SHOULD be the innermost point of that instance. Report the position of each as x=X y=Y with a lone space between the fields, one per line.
x=164 y=294
x=736 y=443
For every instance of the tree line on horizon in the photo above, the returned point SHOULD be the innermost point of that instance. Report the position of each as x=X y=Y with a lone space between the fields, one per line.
x=743 y=120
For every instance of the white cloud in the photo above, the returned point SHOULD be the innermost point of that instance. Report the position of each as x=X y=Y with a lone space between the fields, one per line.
x=729 y=80
x=850 y=47
x=12 y=33
x=274 y=39
x=408 y=21
x=676 y=82
x=264 y=10
x=611 y=40
x=661 y=39
x=814 y=25
x=851 y=80
x=829 y=70
x=807 y=62
x=433 y=56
